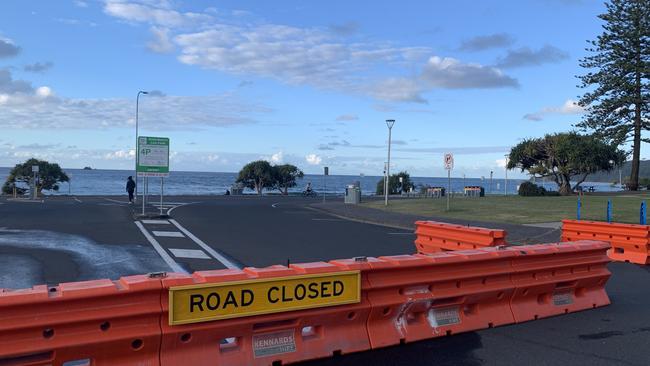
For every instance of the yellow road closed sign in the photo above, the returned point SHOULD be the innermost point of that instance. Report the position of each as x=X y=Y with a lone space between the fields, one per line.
x=206 y=302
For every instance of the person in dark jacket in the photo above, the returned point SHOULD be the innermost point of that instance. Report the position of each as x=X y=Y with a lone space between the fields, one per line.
x=130 y=188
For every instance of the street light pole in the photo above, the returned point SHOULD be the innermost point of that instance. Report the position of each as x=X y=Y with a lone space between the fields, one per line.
x=620 y=177
x=491 y=173
x=137 y=107
x=505 y=192
x=389 y=123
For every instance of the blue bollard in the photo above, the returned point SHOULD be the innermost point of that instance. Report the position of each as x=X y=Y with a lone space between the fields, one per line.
x=578 y=211
x=609 y=210
x=643 y=214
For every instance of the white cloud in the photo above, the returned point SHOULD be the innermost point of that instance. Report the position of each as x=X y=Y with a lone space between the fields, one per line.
x=277 y=157
x=527 y=57
x=313 y=159
x=303 y=55
x=8 y=48
x=441 y=73
x=449 y=73
x=399 y=90
x=81 y=4
x=569 y=107
x=165 y=113
x=8 y=85
x=44 y=92
x=482 y=43
x=38 y=67
x=37 y=108
x=160 y=42
x=121 y=155
x=159 y=13
x=347 y=117
x=501 y=163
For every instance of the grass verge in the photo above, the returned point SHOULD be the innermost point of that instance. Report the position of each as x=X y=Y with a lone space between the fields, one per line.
x=521 y=210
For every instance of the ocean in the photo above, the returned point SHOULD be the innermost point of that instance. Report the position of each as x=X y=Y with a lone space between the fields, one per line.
x=112 y=182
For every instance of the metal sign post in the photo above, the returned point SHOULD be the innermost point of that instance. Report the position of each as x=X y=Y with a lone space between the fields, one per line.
x=449 y=165
x=162 y=187
x=505 y=189
x=153 y=161
x=35 y=170
x=326 y=172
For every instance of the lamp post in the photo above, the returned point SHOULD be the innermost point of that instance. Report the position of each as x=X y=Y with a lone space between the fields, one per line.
x=389 y=123
x=491 y=174
x=505 y=192
x=137 y=107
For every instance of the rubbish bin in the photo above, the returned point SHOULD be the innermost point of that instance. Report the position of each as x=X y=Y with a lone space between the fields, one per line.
x=352 y=194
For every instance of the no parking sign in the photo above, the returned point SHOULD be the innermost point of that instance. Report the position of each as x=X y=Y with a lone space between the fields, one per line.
x=449 y=161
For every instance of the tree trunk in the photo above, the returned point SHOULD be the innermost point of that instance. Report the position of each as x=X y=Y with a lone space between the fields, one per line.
x=633 y=184
x=565 y=189
x=565 y=185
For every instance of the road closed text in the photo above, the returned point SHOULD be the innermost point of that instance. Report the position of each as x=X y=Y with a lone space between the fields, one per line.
x=206 y=302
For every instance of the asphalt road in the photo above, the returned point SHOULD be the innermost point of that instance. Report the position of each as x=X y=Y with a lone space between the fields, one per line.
x=75 y=238
x=262 y=231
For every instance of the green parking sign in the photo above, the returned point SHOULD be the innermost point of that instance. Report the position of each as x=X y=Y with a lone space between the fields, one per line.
x=153 y=157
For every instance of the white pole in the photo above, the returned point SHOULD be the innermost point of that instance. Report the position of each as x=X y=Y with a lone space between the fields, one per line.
x=389 y=123
x=505 y=192
x=143 y=189
x=448 y=186
x=137 y=107
x=385 y=180
x=161 y=195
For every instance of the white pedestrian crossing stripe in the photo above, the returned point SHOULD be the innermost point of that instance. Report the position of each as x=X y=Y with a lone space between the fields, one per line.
x=155 y=222
x=168 y=234
x=189 y=253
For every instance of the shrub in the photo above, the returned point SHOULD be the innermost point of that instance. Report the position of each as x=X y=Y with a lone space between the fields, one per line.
x=529 y=189
x=394 y=186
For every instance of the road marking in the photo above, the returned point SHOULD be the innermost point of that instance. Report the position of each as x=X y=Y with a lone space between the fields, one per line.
x=163 y=254
x=116 y=201
x=189 y=253
x=168 y=234
x=400 y=233
x=227 y=263
x=327 y=220
x=26 y=200
x=275 y=205
x=77 y=199
x=169 y=212
x=155 y=222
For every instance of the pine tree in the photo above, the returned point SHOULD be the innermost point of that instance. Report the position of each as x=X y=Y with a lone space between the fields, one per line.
x=617 y=105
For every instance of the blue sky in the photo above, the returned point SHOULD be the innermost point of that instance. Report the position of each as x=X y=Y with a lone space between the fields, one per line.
x=308 y=83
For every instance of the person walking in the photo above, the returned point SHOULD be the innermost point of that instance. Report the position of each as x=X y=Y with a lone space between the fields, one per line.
x=130 y=188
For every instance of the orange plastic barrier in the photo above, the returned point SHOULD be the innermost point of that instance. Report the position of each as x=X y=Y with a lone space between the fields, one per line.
x=309 y=334
x=417 y=297
x=435 y=237
x=630 y=243
x=94 y=323
x=403 y=299
x=553 y=279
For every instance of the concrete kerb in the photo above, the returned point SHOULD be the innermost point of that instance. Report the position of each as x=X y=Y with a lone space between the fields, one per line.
x=517 y=234
x=401 y=227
